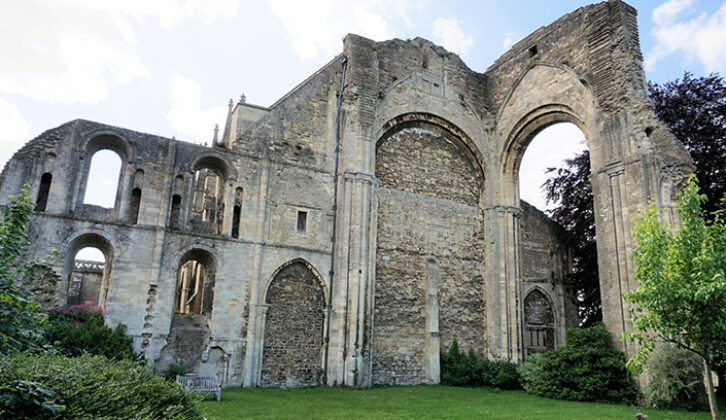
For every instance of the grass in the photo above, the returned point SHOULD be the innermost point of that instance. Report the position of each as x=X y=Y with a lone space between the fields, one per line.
x=419 y=402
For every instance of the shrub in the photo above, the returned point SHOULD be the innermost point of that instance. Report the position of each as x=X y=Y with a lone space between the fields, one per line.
x=93 y=387
x=460 y=369
x=500 y=374
x=173 y=371
x=588 y=368
x=675 y=379
x=79 y=329
x=21 y=319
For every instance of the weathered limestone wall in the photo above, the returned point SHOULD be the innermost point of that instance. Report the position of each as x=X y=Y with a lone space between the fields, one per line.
x=428 y=210
x=546 y=262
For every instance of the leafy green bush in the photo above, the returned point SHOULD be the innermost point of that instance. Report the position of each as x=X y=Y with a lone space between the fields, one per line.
x=460 y=369
x=500 y=374
x=93 y=387
x=675 y=379
x=21 y=319
x=79 y=329
x=173 y=371
x=588 y=368
x=26 y=398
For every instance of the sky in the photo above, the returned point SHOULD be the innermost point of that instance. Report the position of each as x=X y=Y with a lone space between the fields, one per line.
x=169 y=67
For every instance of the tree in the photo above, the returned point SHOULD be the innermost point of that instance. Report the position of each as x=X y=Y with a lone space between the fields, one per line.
x=21 y=320
x=694 y=109
x=570 y=186
x=681 y=293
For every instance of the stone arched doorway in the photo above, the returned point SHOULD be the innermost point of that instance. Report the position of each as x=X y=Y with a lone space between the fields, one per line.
x=539 y=323
x=293 y=337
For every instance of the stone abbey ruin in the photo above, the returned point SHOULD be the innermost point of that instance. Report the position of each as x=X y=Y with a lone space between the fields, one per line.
x=347 y=233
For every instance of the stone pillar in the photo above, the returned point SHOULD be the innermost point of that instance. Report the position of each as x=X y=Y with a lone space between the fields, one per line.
x=255 y=345
x=433 y=346
x=504 y=301
x=349 y=346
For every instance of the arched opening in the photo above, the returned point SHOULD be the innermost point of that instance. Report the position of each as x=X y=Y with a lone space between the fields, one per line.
x=103 y=179
x=175 y=212
x=539 y=323
x=43 y=191
x=207 y=212
x=89 y=261
x=557 y=225
x=293 y=337
x=135 y=206
x=195 y=283
x=429 y=286
x=237 y=213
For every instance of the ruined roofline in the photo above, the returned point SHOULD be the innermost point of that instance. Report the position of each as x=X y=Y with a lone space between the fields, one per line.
x=542 y=215
x=543 y=31
x=338 y=57
x=300 y=85
x=124 y=130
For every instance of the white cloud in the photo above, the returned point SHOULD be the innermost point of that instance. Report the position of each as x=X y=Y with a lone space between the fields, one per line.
x=698 y=39
x=70 y=51
x=448 y=33
x=510 y=38
x=187 y=118
x=316 y=27
x=68 y=56
x=168 y=12
x=667 y=12
x=15 y=130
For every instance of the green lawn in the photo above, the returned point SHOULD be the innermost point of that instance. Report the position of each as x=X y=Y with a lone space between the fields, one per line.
x=417 y=402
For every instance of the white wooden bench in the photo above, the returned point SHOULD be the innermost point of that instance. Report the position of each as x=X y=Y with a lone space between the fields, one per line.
x=201 y=384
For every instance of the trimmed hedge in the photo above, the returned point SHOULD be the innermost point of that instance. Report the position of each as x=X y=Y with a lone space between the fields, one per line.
x=89 y=387
x=588 y=368
x=459 y=369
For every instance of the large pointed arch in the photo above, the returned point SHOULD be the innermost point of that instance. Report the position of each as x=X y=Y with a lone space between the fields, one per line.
x=292 y=346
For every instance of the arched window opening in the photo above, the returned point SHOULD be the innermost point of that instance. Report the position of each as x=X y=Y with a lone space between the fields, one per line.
x=550 y=148
x=174 y=214
x=135 y=206
x=539 y=323
x=87 y=276
x=195 y=284
x=42 y=201
x=557 y=221
x=103 y=179
x=207 y=213
x=237 y=212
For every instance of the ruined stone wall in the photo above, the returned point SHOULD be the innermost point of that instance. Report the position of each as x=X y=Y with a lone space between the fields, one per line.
x=428 y=208
x=144 y=257
x=546 y=262
x=409 y=191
